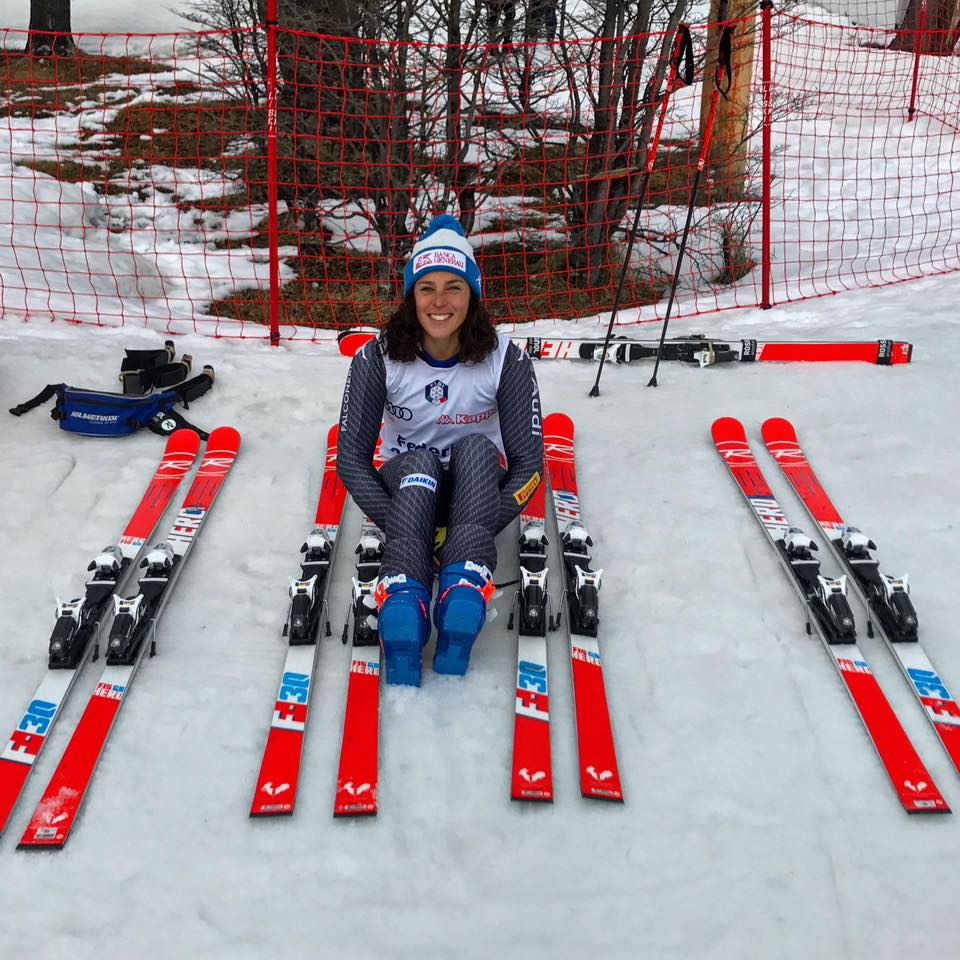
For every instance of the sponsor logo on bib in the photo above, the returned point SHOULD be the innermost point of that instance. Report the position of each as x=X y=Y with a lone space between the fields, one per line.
x=401 y=413
x=460 y=418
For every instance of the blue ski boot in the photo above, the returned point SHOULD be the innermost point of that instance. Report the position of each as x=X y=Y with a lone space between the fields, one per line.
x=459 y=614
x=404 y=626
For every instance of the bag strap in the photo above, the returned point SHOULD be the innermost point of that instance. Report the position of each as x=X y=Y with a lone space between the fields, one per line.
x=195 y=387
x=143 y=381
x=147 y=359
x=50 y=390
x=166 y=421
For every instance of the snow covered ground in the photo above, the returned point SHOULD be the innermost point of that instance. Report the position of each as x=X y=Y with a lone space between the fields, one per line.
x=757 y=823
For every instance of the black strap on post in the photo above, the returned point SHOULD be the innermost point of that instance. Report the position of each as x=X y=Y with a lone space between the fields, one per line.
x=684 y=53
x=723 y=78
x=681 y=70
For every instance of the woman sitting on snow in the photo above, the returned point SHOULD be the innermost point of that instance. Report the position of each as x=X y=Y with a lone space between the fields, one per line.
x=461 y=437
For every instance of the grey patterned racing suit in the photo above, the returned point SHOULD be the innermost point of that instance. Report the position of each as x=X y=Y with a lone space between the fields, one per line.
x=467 y=482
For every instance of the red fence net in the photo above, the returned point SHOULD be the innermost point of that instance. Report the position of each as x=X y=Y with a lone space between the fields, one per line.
x=147 y=180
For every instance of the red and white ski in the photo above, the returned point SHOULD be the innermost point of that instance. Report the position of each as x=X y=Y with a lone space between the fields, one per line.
x=599 y=774
x=532 y=775
x=701 y=350
x=276 y=790
x=827 y=611
x=135 y=619
x=79 y=620
x=357 y=772
x=886 y=597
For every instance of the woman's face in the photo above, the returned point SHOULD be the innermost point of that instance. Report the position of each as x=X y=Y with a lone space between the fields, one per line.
x=442 y=300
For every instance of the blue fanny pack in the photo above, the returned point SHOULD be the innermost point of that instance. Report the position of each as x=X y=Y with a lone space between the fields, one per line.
x=94 y=413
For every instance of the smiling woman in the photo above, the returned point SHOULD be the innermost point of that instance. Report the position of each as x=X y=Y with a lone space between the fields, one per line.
x=462 y=446
x=442 y=300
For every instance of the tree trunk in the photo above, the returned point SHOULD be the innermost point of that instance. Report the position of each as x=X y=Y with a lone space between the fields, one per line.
x=591 y=195
x=728 y=143
x=942 y=15
x=50 y=31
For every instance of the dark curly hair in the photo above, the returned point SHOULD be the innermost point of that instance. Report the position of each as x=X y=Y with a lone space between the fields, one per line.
x=401 y=333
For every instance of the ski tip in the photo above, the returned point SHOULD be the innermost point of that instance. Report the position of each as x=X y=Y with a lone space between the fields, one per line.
x=333 y=435
x=776 y=429
x=224 y=438
x=558 y=423
x=725 y=429
x=183 y=442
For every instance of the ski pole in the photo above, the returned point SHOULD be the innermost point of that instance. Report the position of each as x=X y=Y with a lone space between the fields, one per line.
x=722 y=80
x=682 y=55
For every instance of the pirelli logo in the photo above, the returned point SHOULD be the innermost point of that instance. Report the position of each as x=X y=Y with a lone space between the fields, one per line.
x=523 y=494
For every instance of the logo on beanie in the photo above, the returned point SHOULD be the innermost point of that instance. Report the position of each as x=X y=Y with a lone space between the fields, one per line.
x=436 y=392
x=440 y=260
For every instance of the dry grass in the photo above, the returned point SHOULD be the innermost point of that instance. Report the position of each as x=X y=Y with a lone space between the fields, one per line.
x=337 y=289
x=548 y=171
x=30 y=86
x=334 y=287
x=543 y=171
x=21 y=68
x=68 y=171
x=521 y=281
x=178 y=135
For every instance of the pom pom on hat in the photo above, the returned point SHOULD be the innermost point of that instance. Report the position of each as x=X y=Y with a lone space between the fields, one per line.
x=443 y=246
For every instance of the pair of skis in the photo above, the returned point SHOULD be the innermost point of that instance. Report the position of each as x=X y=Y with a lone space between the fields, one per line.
x=532 y=776
x=885 y=598
x=356 y=790
x=132 y=630
x=276 y=789
x=698 y=349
